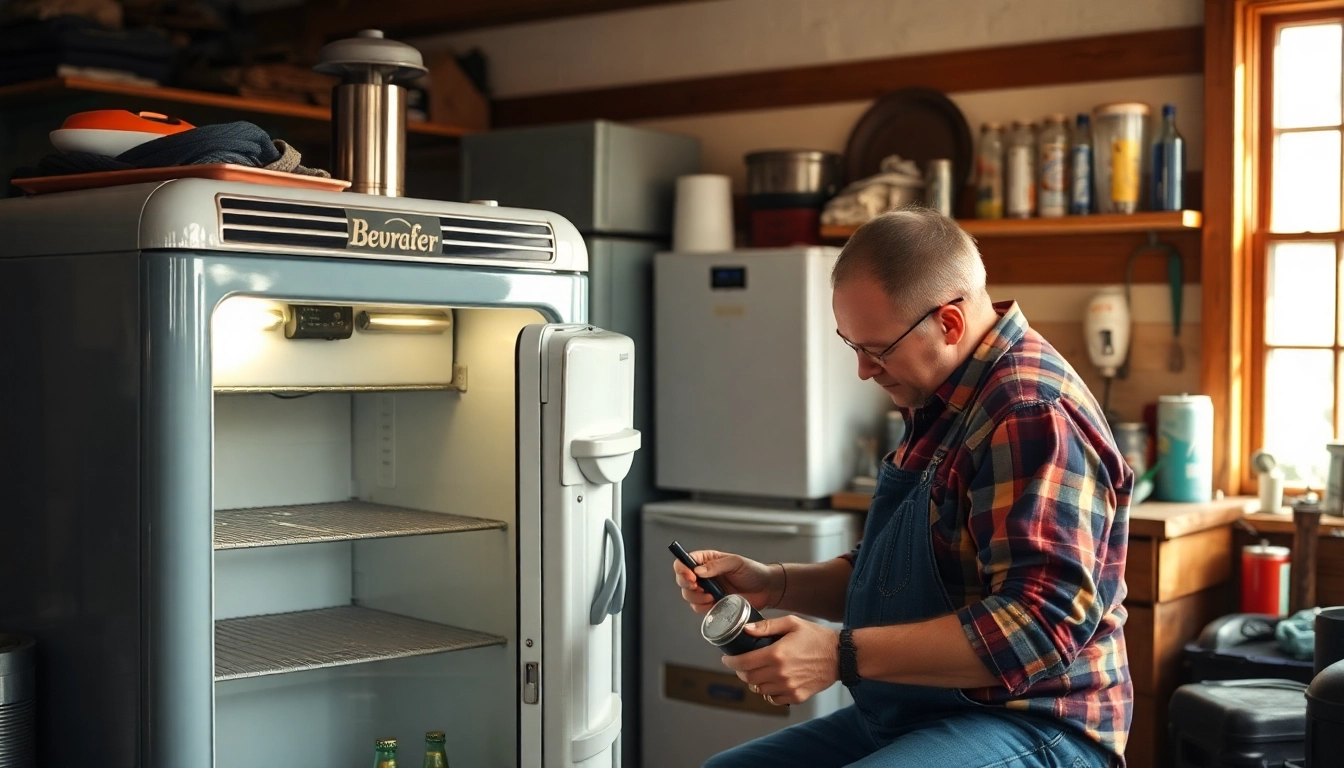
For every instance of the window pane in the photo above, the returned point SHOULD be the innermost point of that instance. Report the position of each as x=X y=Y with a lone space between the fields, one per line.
x=1299 y=412
x=1306 y=76
x=1300 y=296
x=1306 y=182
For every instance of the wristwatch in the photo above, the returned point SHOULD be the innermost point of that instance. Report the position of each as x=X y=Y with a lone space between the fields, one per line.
x=849 y=658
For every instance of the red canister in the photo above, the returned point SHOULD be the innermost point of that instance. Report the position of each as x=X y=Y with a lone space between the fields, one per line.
x=1264 y=579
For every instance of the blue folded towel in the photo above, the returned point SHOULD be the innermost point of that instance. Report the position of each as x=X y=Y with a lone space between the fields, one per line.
x=1296 y=635
x=240 y=143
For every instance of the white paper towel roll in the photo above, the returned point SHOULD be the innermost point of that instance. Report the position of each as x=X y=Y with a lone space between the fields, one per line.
x=703 y=221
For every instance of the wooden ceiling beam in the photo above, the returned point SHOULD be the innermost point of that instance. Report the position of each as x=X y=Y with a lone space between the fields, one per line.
x=1153 y=53
x=328 y=19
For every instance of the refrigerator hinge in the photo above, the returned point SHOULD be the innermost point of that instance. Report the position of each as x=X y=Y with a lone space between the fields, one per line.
x=459 y=381
x=531 y=682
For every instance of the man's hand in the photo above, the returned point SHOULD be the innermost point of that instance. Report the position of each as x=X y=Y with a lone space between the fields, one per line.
x=802 y=662
x=736 y=574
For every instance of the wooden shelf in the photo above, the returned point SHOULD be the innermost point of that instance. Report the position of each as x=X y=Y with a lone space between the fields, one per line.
x=1148 y=221
x=1282 y=522
x=851 y=501
x=1151 y=519
x=1170 y=520
x=140 y=96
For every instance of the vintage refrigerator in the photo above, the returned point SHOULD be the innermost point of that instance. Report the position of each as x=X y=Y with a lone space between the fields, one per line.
x=289 y=471
x=615 y=183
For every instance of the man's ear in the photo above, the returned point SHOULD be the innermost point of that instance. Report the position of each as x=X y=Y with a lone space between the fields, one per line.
x=953 y=320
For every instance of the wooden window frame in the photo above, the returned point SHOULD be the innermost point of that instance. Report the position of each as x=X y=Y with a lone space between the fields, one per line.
x=1262 y=239
x=1236 y=117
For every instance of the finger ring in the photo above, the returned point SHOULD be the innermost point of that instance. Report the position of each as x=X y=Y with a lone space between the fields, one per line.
x=770 y=699
x=753 y=688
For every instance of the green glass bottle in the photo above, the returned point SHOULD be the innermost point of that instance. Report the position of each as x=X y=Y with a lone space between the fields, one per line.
x=435 y=756
x=385 y=753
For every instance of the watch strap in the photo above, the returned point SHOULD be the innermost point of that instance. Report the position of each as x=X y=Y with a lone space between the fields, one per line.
x=849 y=658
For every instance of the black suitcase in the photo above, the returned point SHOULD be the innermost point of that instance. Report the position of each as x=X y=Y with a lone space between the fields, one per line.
x=1238 y=724
x=1240 y=646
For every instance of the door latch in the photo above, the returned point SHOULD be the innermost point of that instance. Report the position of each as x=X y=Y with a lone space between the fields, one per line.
x=531 y=682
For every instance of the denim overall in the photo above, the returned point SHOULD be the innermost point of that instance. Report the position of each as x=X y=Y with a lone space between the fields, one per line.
x=890 y=725
x=896 y=581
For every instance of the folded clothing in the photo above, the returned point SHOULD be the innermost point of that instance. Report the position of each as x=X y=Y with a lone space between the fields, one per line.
x=31 y=50
x=239 y=143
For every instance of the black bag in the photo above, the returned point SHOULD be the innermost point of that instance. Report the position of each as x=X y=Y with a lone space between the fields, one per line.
x=1238 y=724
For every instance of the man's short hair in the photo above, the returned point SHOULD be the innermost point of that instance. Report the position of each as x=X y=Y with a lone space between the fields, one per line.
x=918 y=255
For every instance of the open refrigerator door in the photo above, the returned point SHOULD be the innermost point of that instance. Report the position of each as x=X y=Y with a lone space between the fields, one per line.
x=575 y=445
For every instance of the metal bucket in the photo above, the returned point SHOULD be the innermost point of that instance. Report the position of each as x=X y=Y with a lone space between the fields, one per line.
x=1131 y=437
x=18 y=702
x=809 y=173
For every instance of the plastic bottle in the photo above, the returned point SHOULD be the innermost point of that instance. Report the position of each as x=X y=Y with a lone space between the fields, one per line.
x=1080 y=168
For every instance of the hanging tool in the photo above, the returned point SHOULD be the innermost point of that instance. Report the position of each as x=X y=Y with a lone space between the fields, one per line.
x=1176 y=282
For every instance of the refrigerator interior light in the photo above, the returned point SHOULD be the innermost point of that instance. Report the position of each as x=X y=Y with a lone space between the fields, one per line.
x=243 y=314
x=404 y=322
x=240 y=327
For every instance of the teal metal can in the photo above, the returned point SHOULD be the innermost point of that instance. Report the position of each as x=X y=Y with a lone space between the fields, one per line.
x=1184 y=448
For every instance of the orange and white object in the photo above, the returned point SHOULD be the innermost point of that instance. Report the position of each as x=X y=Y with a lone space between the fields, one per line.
x=113 y=131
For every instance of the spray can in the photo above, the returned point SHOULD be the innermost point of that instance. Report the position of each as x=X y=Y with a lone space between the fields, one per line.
x=989 y=173
x=938 y=187
x=1080 y=168
x=1053 y=192
x=1020 y=172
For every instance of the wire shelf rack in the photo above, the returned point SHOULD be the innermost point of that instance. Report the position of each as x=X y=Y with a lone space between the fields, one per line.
x=335 y=521
x=254 y=646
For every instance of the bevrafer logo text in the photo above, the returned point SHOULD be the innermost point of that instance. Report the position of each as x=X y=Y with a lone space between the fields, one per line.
x=412 y=237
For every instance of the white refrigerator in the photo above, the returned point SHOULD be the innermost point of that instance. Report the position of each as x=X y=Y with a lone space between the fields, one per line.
x=759 y=415
x=757 y=396
x=693 y=706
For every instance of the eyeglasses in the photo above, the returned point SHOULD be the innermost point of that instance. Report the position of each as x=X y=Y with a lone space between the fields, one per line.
x=879 y=357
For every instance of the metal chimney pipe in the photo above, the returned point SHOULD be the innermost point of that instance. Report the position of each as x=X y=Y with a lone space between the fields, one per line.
x=368 y=110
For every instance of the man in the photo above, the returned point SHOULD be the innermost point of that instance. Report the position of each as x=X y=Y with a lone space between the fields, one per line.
x=982 y=609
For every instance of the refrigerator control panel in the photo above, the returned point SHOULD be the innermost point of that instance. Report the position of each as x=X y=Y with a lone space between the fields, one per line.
x=316 y=321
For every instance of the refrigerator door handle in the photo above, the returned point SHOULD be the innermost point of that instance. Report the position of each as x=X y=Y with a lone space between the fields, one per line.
x=611 y=595
x=594 y=741
x=778 y=529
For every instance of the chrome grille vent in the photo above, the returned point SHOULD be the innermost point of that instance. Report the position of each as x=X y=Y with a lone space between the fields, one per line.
x=271 y=222
x=266 y=222
x=497 y=239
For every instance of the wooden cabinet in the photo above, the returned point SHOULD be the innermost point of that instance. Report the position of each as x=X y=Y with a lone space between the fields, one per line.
x=1179 y=576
